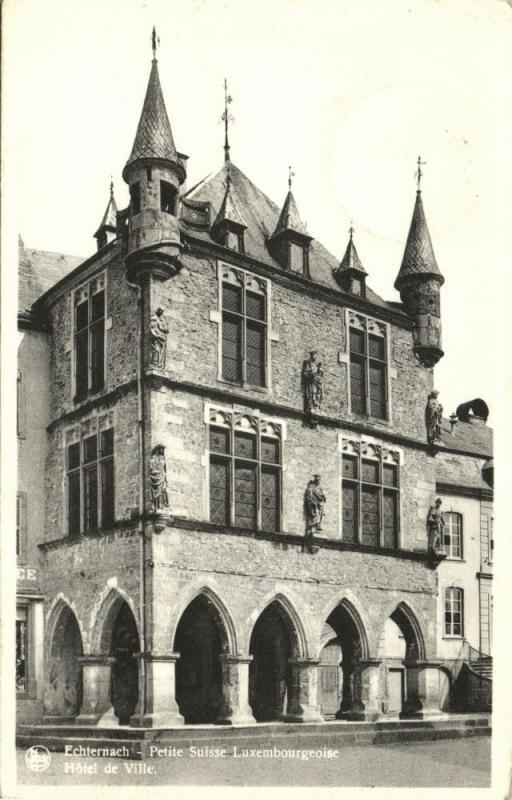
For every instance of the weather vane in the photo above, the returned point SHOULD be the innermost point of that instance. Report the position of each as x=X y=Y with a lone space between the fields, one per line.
x=155 y=42
x=419 y=173
x=226 y=119
x=291 y=174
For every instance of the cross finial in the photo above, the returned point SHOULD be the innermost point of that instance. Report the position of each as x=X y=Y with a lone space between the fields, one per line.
x=226 y=118
x=291 y=174
x=419 y=173
x=155 y=42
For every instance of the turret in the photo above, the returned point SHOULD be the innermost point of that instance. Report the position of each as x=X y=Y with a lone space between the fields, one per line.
x=154 y=173
x=289 y=244
x=419 y=282
x=107 y=231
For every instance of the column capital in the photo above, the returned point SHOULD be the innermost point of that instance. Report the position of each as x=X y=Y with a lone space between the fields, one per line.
x=304 y=662
x=96 y=660
x=233 y=658
x=421 y=664
x=147 y=656
x=368 y=662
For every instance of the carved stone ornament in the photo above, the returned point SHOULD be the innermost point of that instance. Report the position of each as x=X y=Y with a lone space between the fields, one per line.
x=158 y=479
x=435 y=526
x=158 y=329
x=312 y=384
x=434 y=416
x=314 y=501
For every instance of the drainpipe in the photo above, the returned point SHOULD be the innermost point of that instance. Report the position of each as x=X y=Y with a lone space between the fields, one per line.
x=140 y=523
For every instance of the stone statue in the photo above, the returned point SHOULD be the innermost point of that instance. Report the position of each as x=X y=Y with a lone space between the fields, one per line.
x=312 y=383
x=314 y=501
x=158 y=328
x=435 y=524
x=434 y=416
x=158 y=478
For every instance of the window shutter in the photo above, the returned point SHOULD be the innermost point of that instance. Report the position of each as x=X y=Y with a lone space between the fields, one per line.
x=21 y=524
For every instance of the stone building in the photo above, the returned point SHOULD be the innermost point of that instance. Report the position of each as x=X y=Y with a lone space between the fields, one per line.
x=227 y=472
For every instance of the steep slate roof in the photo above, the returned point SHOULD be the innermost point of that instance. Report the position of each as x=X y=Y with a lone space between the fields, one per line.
x=154 y=136
x=470 y=437
x=39 y=270
x=261 y=216
x=351 y=260
x=289 y=219
x=419 y=254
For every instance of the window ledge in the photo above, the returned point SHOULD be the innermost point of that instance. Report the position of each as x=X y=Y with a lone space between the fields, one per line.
x=457 y=560
x=248 y=386
x=452 y=637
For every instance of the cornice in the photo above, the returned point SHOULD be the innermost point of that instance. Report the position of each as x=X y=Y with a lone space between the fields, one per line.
x=478 y=493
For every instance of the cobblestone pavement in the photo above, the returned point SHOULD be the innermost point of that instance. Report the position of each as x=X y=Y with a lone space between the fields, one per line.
x=462 y=762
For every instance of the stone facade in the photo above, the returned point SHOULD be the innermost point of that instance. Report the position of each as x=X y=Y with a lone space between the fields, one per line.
x=162 y=616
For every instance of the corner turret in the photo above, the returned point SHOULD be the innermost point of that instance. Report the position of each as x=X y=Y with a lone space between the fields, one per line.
x=419 y=282
x=154 y=173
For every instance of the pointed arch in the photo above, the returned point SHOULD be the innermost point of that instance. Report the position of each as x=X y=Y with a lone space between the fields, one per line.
x=61 y=610
x=64 y=647
x=221 y=612
x=407 y=620
x=290 y=617
x=105 y=617
x=347 y=603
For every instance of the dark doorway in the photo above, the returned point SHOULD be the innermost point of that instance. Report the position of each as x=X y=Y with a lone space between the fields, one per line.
x=339 y=656
x=64 y=696
x=270 y=671
x=125 y=671
x=200 y=641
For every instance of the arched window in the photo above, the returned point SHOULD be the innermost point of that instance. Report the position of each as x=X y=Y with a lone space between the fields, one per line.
x=453 y=611
x=453 y=534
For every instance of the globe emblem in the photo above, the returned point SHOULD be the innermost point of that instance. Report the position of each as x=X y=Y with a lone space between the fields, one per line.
x=38 y=758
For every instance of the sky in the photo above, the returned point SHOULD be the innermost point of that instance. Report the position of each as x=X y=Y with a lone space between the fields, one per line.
x=349 y=93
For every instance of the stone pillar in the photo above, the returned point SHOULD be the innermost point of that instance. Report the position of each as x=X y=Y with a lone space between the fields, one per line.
x=96 y=701
x=366 y=692
x=161 y=709
x=423 y=690
x=235 y=691
x=303 y=701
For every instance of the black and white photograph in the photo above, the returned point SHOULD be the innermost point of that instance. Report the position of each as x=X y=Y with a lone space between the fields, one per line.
x=255 y=278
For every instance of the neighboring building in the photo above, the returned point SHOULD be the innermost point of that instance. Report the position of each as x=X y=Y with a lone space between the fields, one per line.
x=193 y=377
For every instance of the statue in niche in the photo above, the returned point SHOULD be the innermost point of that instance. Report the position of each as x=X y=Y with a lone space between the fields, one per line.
x=435 y=525
x=314 y=501
x=312 y=383
x=158 y=479
x=434 y=416
x=158 y=328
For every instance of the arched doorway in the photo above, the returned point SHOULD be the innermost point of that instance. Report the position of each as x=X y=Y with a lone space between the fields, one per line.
x=64 y=690
x=125 y=644
x=200 y=640
x=343 y=645
x=401 y=642
x=273 y=643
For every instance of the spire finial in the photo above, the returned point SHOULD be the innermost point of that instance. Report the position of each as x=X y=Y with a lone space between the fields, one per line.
x=111 y=186
x=291 y=174
x=226 y=118
x=351 y=229
x=155 y=42
x=419 y=174
x=228 y=177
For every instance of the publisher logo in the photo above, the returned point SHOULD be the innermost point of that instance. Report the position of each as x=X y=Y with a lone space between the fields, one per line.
x=38 y=758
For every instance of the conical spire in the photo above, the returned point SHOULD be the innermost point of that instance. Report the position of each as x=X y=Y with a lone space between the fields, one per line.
x=153 y=139
x=108 y=225
x=229 y=211
x=351 y=260
x=419 y=258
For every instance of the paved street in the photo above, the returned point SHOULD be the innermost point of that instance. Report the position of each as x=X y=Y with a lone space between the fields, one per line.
x=463 y=763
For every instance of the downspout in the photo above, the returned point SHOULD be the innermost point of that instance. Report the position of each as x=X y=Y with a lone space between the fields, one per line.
x=140 y=523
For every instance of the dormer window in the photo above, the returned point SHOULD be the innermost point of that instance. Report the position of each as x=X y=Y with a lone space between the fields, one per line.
x=235 y=241
x=297 y=259
x=135 y=198
x=168 y=198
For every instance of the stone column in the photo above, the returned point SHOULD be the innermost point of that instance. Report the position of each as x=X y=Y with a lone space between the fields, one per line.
x=235 y=691
x=366 y=694
x=303 y=701
x=161 y=709
x=96 y=701
x=423 y=690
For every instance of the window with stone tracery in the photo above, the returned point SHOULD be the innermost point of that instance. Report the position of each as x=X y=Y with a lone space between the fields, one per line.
x=370 y=494
x=368 y=356
x=89 y=337
x=90 y=476
x=245 y=458
x=244 y=310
